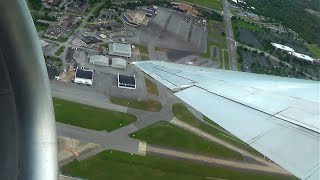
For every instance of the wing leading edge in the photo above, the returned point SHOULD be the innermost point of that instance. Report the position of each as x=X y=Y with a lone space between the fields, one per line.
x=277 y=116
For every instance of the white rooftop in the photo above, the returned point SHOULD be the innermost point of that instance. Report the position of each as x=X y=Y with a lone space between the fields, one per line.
x=302 y=56
x=119 y=63
x=99 y=60
x=120 y=49
x=283 y=47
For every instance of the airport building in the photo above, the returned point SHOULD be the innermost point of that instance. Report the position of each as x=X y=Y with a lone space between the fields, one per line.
x=118 y=63
x=99 y=60
x=150 y=11
x=84 y=76
x=106 y=61
x=119 y=49
x=133 y=18
x=126 y=81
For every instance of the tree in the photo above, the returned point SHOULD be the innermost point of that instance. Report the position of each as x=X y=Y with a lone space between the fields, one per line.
x=223 y=33
x=35 y=4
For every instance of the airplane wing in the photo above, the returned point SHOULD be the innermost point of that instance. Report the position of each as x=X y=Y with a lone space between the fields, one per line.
x=277 y=116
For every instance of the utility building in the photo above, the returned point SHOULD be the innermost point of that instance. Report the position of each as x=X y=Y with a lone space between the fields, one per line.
x=119 y=49
x=118 y=63
x=126 y=81
x=99 y=60
x=84 y=76
x=106 y=61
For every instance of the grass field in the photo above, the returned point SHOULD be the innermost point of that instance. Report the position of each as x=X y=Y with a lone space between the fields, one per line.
x=90 y=117
x=226 y=60
x=144 y=52
x=245 y=25
x=119 y=165
x=207 y=54
x=183 y=114
x=160 y=49
x=215 y=34
x=314 y=50
x=152 y=87
x=62 y=39
x=59 y=51
x=171 y=136
x=150 y=105
x=213 y=4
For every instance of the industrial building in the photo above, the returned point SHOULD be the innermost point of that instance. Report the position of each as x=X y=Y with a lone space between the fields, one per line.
x=84 y=76
x=118 y=63
x=90 y=40
x=292 y=52
x=302 y=56
x=53 y=32
x=150 y=11
x=119 y=49
x=126 y=81
x=283 y=47
x=99 y=60
x=106 y=61
x=133 y=18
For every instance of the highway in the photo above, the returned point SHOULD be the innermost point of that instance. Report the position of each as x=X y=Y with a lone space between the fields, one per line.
x=231 y=43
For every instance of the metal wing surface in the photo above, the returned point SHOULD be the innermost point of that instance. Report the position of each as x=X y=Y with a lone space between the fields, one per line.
x=277 y=116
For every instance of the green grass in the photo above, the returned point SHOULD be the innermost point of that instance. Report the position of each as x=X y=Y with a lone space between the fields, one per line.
x=59 y=51
x=226 y=60
x=219 y=40
x=41 y=26
x=207 y=54
x=171 y=136
x=119 y=165
x=314 y=50
x=90 y=117
x=149 y=105
x=183 y=114
x=212 y=4
x=144 y=52
x=62 y=39
x=245 y=25
x=160 y=49
x=152 y=87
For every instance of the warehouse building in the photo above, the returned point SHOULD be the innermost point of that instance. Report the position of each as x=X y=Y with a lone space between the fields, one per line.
x=118 y=63
x=106 y=61
x=84 y=76
x=99 y=60
x=119 y=49
x=126 y=81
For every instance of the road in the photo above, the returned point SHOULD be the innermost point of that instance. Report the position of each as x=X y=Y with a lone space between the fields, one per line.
x=231 y=44
x=215 y=161
x=83 y=95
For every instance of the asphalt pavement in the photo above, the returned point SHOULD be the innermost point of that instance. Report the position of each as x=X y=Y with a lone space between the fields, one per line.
x=231 y=43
